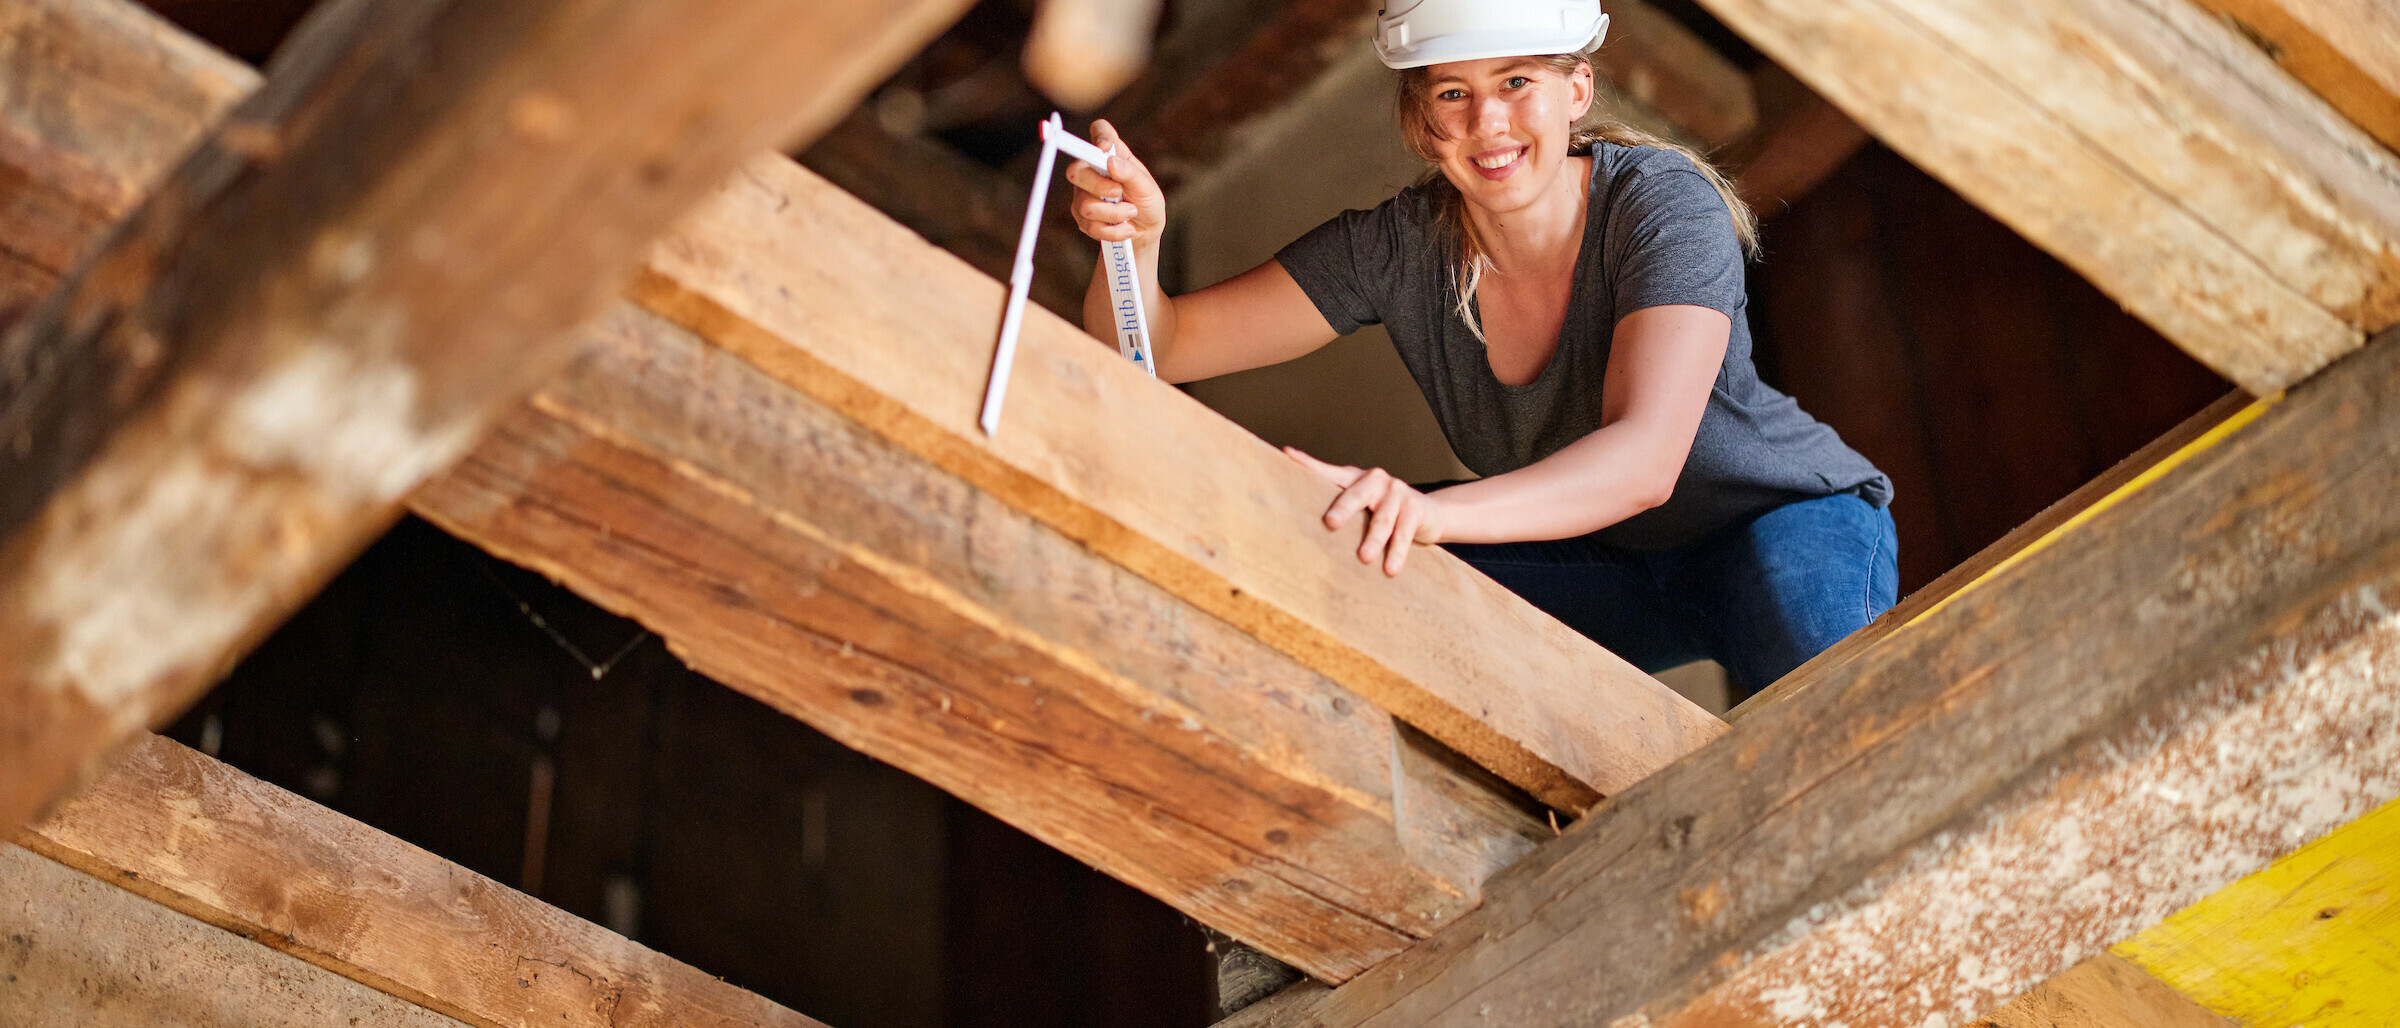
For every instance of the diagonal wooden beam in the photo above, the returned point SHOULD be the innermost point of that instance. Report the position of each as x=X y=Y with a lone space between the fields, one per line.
x=2106 y=991
x=684 y=488
x=2191 y=683
x=79 y=951
x=208 y=841
x=329 y=301
x=2144 y=144
x=890 y=333
x=784 y=550
x=2348 y=51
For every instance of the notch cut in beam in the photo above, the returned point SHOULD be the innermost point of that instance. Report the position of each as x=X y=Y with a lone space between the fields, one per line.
x=204 y=839
x=2209 y=667
x=331 y=299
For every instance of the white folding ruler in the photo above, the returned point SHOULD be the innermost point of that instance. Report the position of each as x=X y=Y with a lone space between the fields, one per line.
x=1124 y=281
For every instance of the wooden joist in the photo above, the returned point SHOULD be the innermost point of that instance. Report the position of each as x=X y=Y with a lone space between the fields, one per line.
x=893 y=333
x=2142 y=142
x=2189 y=684
x=2106 y=991
x=77 y=951
x=2348 y=51
x=331 y=299
x=786 y=551
x=792 y=554
x=203 y=839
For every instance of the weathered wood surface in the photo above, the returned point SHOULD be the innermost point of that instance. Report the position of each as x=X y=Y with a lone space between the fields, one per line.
x=2187 y=686
x=330 y=300
x=99 y=102
x=2106 y=991
x=202 y=838
x=895 y=334
x=2348 y=51
x=2313 y=940
x=77 y=951
x=686 y=435
x=786 y=551
x=2143 y=143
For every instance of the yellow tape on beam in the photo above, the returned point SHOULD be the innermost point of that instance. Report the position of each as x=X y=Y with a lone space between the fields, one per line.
x=2142 y=481
x=2312 y=940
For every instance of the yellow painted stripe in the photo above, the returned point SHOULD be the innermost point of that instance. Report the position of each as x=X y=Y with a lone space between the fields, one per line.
x=2313 y=940
x=2150 y=474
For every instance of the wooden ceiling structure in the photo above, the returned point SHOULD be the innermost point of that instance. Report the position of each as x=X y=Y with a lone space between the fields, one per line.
x=446 y=258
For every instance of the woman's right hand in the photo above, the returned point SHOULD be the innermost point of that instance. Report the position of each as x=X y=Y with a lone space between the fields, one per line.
x=1125 y=203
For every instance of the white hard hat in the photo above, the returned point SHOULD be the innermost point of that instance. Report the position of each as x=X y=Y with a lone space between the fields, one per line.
x=1415 y=33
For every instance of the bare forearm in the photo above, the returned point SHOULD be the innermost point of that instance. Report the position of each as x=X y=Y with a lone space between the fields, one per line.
x=1600 y=480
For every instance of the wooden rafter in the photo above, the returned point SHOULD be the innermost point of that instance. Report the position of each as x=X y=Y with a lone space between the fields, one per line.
x=329 y=301
x=783 y=549
x=2141 y=142
x=788 y=552
x=1150 y=479
x=2192 y=682
x=83 y=952
x=213 y=843
x=2348 y=51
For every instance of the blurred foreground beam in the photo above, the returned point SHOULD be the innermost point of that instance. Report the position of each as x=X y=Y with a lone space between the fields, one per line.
x=330 y=300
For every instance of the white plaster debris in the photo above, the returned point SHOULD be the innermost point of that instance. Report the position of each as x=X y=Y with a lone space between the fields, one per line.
x=1979 y=915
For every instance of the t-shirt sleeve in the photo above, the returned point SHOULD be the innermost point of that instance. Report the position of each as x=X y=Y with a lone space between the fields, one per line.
x=1345 y=266
x=1671 y=241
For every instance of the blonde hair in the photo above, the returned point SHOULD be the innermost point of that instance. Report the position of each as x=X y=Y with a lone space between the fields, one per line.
x=1420 y=130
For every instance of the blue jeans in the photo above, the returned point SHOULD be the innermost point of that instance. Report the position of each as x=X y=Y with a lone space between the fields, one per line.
x=1759 y=597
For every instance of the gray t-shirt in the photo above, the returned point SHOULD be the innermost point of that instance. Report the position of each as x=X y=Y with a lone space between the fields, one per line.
x=1656 y=233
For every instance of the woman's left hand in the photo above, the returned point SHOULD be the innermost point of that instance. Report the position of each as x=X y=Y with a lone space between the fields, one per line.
x=1400 y=516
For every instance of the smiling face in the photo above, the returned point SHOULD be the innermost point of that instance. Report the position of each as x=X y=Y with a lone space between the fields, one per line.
x=1498 y=127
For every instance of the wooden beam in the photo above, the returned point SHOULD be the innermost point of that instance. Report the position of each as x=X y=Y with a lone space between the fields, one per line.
x=2188 y=685
x=892 y=333
x=618 y=478
x=2348 y=51
x=788 y=552
x=210 y=842
x=2144 y=144
x=2107 y=991
x=92 y=87
x=329 y=301
x=2307 y=941
x=78 y=951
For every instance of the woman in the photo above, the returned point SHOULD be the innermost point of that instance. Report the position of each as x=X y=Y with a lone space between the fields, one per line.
x=1571 y=304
